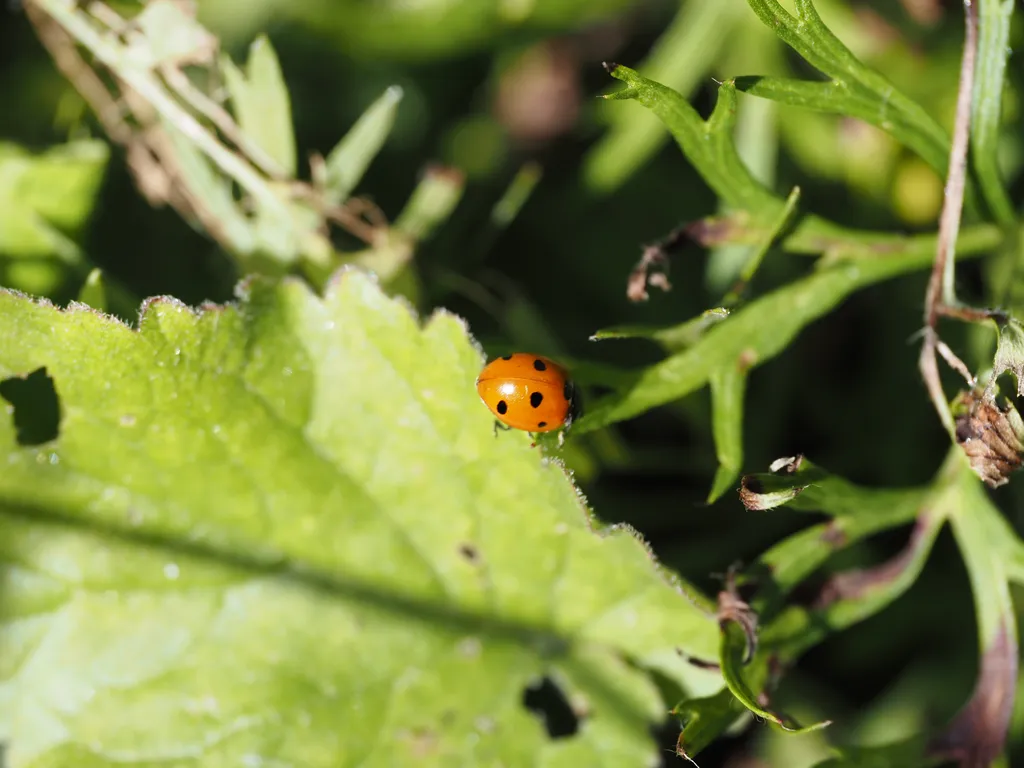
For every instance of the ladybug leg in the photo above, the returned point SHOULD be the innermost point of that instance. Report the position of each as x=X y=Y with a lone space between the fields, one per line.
x=498 y=425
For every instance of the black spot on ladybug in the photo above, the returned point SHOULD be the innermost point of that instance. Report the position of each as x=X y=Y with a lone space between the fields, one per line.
x=536 y=398
x=542 y=424
x=502 y=407
x=539 y=365
x=568 y=390
x=506 y=357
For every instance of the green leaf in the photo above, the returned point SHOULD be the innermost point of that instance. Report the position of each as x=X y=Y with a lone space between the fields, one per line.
x=781 y=224
x=94 y=291
x=707 y=145
x=710 y=148
x=988 y=545
x=994 y=17
x=705 y=719
x=680 y=59
x=262 y=105
x=751 y=335
x=390 y=259
x=350 y=158
x=170 y=35
x=728 y=386
x=673 y=339
x=214 y=193
x=1009 y=355
x=838 y=97
x=61 y=184
x=855 y=88
x=849 y=597
x=277 y=531
x=515 y=197
x=856 y=513
x=432 y=202
x=733 y=652
x=47 y=198
x=984 y=539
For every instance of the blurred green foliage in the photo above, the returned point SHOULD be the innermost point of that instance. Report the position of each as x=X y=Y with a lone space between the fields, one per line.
x=530 y=232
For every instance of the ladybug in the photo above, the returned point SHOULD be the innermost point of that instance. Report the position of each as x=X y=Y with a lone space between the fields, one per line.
x=528 y=392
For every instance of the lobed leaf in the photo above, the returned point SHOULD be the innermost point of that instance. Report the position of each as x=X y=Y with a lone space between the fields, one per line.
x=679 y=59
x=708 y=145
x=276 y=531
x=855 y=89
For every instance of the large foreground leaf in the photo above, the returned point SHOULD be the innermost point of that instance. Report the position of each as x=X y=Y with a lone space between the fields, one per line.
x=284 y=533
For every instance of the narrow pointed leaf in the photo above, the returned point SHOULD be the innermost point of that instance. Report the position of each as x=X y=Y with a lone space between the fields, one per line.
x=262 y=104
x=673 y=338
x=94 y=291
x=680 y=59
x=728 y=386
x=753 y=262
x=753 y=335
x=994 y=18
x=350 y=158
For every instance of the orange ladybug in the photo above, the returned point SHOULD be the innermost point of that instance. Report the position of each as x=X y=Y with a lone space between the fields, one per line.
x=528 y=392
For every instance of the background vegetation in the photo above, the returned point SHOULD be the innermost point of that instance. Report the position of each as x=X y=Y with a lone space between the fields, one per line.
x=522 y=203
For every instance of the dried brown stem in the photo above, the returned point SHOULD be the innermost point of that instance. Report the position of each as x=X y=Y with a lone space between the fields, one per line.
x=60 y=45
x=940 y=298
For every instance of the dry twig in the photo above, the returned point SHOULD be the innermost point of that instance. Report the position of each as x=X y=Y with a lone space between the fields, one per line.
x=940 y=298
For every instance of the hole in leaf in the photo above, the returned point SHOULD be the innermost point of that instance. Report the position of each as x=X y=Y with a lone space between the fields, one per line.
x=36 y=407
x=546 y=700
x=470 y=552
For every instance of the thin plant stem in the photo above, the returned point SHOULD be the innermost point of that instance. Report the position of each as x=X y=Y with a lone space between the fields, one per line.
x=940 y=297
x=148 y=87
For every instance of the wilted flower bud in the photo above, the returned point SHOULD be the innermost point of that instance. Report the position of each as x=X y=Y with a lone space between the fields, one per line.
x=991 y=433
